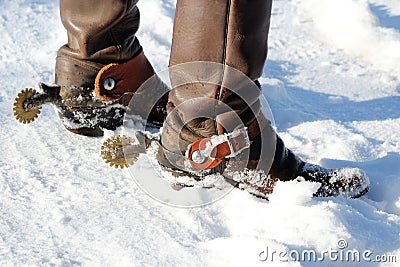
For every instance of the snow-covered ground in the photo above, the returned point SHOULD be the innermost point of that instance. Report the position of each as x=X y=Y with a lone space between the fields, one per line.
x=333 y=82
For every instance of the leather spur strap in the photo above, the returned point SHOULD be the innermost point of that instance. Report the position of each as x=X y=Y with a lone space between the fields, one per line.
x=114 y=80
x=207 y=153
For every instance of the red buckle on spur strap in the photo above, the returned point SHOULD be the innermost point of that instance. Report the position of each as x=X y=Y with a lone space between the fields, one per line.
x=208 y=153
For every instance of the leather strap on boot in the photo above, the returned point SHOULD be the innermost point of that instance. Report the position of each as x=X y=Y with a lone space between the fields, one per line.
x=208 y=153
x=114 y=80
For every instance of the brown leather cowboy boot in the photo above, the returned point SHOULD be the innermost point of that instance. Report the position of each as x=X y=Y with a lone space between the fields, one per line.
x=101 y=66
x=215 y=122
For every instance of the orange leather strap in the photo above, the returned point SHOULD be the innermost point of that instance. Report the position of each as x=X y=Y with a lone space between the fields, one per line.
x=207 y=153
x=114 y=80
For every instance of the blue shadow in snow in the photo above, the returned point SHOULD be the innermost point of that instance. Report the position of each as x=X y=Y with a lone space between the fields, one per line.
x=306 y=106
x=385 y=19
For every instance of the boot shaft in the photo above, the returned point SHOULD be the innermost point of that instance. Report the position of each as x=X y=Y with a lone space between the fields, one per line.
x=100 y=30
x=231 y=32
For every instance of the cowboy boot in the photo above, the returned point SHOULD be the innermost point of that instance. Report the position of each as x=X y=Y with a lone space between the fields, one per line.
x=101 y=67
x=215 y=122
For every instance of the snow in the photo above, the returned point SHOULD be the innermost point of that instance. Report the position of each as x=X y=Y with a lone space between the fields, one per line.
x=332 y=80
